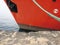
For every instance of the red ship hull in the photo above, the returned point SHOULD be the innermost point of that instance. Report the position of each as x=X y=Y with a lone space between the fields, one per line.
x=30 y=13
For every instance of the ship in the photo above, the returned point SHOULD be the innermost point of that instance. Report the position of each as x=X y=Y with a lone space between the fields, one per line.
x=36 y=14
